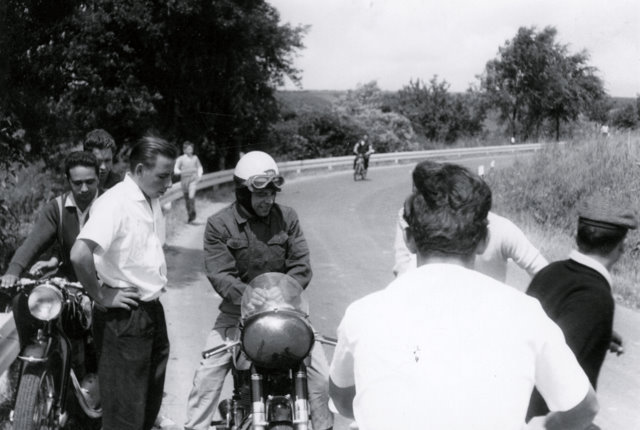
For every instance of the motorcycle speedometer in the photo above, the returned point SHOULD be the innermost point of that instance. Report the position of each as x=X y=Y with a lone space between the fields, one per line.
x=45 y=302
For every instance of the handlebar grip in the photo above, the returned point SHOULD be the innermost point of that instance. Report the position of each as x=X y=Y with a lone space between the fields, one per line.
x=209 y=352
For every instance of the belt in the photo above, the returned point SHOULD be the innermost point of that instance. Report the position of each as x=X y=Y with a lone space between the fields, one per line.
x=154 y=300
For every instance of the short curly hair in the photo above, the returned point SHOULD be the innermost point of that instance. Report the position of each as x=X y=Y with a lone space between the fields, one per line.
x=99 y=139
x=80 y=158
x=447 y=213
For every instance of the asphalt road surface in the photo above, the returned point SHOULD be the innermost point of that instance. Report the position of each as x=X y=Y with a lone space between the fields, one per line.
x=350 y=229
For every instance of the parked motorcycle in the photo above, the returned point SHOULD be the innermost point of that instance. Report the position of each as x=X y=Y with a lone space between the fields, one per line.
x=49 y=388
x=270 y=358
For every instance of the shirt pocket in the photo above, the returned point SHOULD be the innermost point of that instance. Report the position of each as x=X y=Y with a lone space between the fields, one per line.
x=278 y=247
x=239 y=249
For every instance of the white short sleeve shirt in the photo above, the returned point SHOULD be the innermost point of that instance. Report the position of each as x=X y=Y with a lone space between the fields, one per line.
x=445 y=347
x=129 y=233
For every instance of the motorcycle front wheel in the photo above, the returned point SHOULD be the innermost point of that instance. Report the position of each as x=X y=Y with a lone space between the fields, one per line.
x=34 y=402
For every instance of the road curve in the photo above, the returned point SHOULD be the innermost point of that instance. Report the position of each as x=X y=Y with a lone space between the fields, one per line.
x=350 y=228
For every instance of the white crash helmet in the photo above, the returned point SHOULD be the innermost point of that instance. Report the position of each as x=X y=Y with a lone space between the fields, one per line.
x=257 y=170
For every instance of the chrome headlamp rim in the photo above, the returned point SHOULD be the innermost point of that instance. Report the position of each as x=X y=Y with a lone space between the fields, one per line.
x=45 y=302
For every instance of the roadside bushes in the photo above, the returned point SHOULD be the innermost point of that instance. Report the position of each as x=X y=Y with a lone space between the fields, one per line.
x=23 y=194
x=546 y=190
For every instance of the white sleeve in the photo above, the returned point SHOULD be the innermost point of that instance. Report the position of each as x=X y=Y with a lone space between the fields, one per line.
x=404 y=259
x=200 y=169
x=559 y=377
x=341 y=370
x=177 y=170
x=102 y=225
x=516 y=246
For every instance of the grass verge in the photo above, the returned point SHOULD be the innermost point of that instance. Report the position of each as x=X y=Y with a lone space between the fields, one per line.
x=543 y=193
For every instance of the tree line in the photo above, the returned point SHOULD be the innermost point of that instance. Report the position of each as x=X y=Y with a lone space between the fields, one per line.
x=207 y=71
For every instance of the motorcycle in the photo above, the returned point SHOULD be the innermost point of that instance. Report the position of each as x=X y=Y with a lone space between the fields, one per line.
x=270 y=358
x=49 y=361
x=359 y=172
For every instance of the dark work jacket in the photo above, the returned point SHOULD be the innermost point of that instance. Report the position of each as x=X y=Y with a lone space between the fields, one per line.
x=579 y=300
x=238 y=247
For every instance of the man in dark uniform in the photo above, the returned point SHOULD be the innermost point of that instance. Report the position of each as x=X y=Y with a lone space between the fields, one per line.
x=253 y=236
x=576 y=293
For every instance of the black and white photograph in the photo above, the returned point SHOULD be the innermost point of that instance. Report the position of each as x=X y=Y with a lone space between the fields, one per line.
x=319 y=215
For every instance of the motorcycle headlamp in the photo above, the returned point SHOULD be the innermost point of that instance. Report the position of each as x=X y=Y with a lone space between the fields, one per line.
x=260 y=182
x=45 y=302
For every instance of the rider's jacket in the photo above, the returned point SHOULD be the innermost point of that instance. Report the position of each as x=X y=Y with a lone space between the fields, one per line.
x=47 y=231
x=239 y=246
x=362 y=148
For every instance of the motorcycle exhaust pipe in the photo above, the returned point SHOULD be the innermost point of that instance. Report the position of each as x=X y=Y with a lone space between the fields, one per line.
x=301 y=417
x=259 y=416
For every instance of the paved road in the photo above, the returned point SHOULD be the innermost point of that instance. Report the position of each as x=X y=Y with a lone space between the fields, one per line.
x=350 y=228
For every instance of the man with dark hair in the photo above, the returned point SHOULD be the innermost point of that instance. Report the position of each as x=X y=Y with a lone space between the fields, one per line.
x=102 y=145
x=506 y=241
x=119 y=259
x=57 y=226
x=576 y=293
x=446 y=347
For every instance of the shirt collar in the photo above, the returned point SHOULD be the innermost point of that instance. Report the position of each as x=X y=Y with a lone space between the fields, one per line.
x=70 y=201
x=132 y=189
x=592 y=263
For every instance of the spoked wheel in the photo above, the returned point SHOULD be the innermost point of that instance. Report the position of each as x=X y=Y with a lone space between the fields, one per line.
x=34 y=403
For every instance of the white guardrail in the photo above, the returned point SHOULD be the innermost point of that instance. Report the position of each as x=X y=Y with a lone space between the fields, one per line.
x=8 y=335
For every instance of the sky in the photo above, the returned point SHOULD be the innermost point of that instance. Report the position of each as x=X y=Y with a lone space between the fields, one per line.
x=352 y=42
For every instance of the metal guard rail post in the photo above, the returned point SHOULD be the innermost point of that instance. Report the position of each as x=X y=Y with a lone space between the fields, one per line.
x=8 y=335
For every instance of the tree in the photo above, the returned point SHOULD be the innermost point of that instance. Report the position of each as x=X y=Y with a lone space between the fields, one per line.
x=535 y=79
x=203 y=70
x=625 y=117
x=436 y=113
x=388 y=131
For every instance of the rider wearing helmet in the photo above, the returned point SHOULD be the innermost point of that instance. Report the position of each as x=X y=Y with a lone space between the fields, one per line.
x=252 y=236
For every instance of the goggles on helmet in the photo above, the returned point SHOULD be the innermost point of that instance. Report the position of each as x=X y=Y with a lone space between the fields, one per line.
x=260 y=182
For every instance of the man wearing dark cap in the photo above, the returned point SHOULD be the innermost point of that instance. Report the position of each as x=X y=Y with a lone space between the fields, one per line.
x=576 y=293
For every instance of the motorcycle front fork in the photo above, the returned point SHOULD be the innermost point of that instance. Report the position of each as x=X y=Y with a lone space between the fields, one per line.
x=40 y=353
x=299 y=408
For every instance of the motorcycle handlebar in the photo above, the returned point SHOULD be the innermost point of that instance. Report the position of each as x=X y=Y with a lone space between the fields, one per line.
x=209 y=352
x=326 y=340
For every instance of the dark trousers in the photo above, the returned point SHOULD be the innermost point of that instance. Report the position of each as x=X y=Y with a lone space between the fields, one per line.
x=133 y=352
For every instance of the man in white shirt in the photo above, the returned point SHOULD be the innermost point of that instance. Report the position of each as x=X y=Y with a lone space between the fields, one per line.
x=505 y=241
x=118 y=257
x=446 y=347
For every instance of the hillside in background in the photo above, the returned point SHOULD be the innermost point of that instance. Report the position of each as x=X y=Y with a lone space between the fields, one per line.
x=308 y=100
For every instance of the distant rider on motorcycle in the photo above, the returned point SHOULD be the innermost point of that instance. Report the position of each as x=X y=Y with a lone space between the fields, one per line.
x=363 y=147
x=57 y=225
x=253 y=236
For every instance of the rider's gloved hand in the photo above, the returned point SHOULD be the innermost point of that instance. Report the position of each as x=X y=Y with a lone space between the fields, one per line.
x=260 y=296
x=8 y=281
